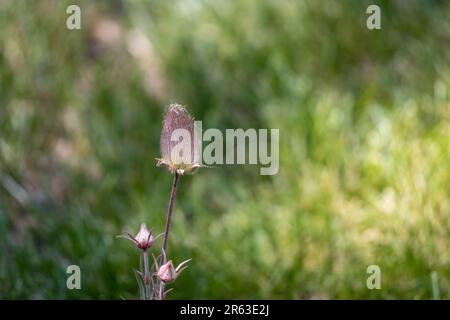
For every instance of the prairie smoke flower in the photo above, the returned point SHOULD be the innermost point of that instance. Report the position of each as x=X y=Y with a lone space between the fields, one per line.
x=167 y=273
x=143 y=239
x=179 y=143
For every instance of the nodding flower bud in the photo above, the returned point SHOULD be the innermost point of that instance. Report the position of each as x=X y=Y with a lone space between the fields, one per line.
x=143 y=239
x=180 y=145
x=167 y=273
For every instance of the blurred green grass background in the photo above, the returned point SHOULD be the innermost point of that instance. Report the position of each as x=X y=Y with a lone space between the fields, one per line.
x=364 y=146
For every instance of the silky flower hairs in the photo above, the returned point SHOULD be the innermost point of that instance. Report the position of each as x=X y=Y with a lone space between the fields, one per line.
x=180 y=147
x=180 y=154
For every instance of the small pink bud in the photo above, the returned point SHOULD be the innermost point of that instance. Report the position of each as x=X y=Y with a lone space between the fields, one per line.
x=167 y=273
x=143 y=239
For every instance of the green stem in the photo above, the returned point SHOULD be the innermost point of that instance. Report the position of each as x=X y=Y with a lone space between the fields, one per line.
x=147 y=278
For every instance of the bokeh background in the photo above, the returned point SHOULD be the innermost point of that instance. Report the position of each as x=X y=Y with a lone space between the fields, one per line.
x=364 y=146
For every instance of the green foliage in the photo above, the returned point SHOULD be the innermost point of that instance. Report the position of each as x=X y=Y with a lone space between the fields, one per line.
x=364 y=146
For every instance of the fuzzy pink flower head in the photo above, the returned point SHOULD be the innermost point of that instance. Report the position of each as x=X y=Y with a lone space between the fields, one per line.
x=167 y=273
x=180 y=145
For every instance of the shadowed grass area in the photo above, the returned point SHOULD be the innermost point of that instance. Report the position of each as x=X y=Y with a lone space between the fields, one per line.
x=364 y=146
